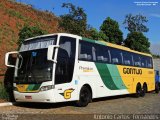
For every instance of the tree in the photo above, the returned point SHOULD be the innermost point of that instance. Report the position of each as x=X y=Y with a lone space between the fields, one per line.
x=135 y=23
x=137 y=41
x=103 y=36
x=29 y=31
x=111 y=29
x=75 y=21
x=93 y=33
x=156 y=56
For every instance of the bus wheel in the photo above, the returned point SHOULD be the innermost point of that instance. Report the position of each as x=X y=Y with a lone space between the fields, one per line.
x=145 y=87
x=157 y=88
x=85 y=97
x=143 y=92
x=138 y=91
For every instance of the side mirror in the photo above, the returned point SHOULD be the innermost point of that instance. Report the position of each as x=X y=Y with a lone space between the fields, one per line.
x=10 y=59
x=51 y=52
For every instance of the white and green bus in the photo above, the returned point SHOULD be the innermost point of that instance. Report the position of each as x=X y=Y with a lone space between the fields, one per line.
x=64 y=67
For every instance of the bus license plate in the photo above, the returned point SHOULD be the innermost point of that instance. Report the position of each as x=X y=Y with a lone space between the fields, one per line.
x=28 y=97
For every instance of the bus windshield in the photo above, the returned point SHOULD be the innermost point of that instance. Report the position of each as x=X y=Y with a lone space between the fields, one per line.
x=33 y=64
x=35 y=67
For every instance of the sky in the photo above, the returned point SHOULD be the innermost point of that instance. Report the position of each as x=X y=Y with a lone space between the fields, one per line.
x=98 y=10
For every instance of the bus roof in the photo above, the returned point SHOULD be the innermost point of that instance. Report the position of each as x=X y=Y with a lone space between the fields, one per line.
x=93 y=41
x=48 y=35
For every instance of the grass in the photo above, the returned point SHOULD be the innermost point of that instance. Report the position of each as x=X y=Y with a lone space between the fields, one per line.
x=1 y=5
x=3 y=94
x=2 y=70
x=1 y=36
x=14 y=13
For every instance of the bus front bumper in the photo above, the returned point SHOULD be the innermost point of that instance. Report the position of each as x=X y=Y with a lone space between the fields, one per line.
x=44 y=96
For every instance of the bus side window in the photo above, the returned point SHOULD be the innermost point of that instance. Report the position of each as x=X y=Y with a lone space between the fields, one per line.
x=116 y=56
x=102 y=54
x=87 y=51
x=127 y=58
x=144 y=61
x=149 y=62
x=137 y=60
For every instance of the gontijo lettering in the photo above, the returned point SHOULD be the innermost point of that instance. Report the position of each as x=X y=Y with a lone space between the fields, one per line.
x=132 y=71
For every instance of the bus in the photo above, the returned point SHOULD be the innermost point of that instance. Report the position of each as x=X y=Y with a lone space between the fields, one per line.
x=63 y=67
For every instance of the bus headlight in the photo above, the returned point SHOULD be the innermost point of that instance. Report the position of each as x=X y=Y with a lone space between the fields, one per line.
x=45 y=88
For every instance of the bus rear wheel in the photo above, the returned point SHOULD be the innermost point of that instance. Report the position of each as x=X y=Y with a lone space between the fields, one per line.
x=144 y=90
x=138 y=91
x=85 y=97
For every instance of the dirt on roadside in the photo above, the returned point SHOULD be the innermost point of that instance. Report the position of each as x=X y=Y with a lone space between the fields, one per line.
x=2 y=101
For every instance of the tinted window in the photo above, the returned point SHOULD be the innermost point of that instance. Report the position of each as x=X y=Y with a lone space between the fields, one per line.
x=35 y=67
x=102 y=54
x=149 y=62
x=116 y=56
x=144 y=61
x=137 y=60
x=65 y=60
x=127 y=58
x=87 y=51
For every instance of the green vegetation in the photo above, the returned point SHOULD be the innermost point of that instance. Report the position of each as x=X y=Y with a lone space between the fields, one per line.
x=14 y=13
x=18 y=25
x=156 y=56
x=94 y=34
x=136 y=40
x=1 y=5
x=29 y=31
x=111 y=29
x=12 y=42
x=136 y=23
x=0 y=35
x=75 y=21
x=3 y=94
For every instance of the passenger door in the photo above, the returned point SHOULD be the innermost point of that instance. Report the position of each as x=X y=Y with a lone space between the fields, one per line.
x=65 y=60
x=65 y=68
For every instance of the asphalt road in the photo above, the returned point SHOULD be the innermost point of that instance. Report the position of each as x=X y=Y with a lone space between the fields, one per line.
x=119 y=107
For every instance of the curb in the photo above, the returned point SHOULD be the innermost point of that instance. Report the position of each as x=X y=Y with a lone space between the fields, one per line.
x=6 y=104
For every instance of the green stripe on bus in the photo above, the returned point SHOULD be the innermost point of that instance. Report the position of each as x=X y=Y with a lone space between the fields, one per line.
x=116 y=76
x=36 y=87
x=94 y=41
x=101 y=43
x=106 y=76
x=30 y=87
x=88 y=40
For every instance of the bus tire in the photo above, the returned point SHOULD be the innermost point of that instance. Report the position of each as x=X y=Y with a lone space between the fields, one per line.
x=145 y=88
x=143 y=92
x=85 y=97
x=138 y=91
x=157 y=88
